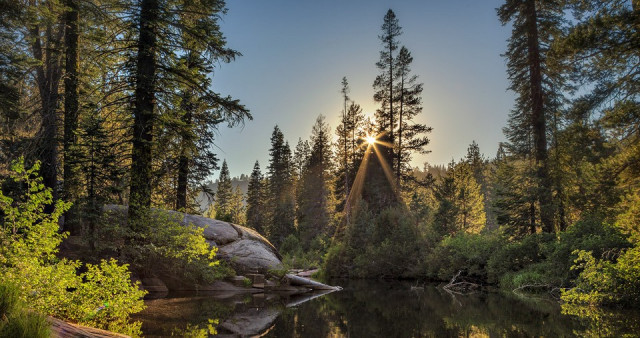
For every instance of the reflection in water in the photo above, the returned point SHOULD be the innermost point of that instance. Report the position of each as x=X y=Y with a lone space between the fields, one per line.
x=383 y=309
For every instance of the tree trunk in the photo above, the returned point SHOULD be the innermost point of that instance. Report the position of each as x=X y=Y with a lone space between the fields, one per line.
x=70 y=99
x=538 y=119
x=399 y=154
x=183 y=160
x=144 y=101
x=48 y=75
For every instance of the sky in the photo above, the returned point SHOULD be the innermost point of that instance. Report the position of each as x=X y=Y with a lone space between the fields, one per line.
x=296 y=52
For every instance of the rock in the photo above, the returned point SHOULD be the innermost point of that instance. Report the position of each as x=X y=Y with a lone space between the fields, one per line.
x=244 y=248
x=249 y=255
x=251 y=322
x=248 y=252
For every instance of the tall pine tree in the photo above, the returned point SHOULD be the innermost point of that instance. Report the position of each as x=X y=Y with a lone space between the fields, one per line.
x=534 y=25
x=280 y=190
x=256 y=204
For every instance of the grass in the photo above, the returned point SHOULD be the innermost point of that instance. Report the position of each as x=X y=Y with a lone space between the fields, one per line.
x=15 y=320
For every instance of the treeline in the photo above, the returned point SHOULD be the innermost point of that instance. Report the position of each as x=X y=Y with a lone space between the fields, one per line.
x=556 y=207
x=109 y=101
x=114 y=99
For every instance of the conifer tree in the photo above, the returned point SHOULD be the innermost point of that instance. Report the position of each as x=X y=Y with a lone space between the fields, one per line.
x=347 y=153
x=224 y=194
x=280 y=190
x=385 y=82
x=190 y=33
x=314 y=199
x=411 y=136
x=256 y=217
x=300 y=158
x=237 y=207
x=471 y=216
x=70 y=139
x=381 y=190
x=534 y=25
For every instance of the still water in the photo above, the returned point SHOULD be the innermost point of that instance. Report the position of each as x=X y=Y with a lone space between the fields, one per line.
x=380 y=309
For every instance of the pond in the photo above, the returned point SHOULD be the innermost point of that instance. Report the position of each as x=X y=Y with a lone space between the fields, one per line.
x=380 y=309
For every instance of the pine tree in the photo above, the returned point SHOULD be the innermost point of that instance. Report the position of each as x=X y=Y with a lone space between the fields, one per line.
x=70 y=139
x=343 y=140
x=385 y=82
x=237 y=207
x=314 y=199
x=280 y=190
x=600 y=45
x=187 y=35
x=144 y=110
x=446 y=214
x=347 y=154
x=380 y=191
x=534 y=25
x=45 y=32
x=300 y=158
x=411 y=136
x=256 y=204
x=461 y=205
x=471 y=216
x=514 y=200
x=224 y=194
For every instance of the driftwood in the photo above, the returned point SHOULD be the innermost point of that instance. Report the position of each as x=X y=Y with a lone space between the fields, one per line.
x=461 y=287
x=62 y=329
x=308 y=283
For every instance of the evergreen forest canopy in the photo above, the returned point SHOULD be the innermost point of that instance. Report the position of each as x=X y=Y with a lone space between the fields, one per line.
x=113 y=99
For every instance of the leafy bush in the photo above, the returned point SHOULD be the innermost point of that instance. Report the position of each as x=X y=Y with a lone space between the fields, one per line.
x=161 y=244
x=516 y=256
x=29 y=241
x=385 y=245
x=544 y=259
x=469 y=253
x=605 y=282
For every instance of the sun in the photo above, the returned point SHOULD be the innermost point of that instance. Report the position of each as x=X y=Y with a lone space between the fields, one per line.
x=370 y=139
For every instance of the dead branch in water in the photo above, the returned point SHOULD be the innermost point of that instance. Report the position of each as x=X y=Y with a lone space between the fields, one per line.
x=462 y=287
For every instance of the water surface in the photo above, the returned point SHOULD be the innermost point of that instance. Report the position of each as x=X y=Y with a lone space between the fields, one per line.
x=381 y=309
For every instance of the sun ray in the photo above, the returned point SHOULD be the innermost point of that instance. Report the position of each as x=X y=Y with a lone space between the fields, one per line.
x=387 y=172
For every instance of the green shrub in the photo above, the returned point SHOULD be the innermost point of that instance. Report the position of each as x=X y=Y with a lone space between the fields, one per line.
x=29 y=241
x=384 y=245
x=544 y=259
x=464 y=252
x=516 y=256
x=9 y=298
x=605 y=282
x=161 y=244
x=291 y=246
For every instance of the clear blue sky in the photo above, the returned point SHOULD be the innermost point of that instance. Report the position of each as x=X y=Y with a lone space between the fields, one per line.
x=296 y=52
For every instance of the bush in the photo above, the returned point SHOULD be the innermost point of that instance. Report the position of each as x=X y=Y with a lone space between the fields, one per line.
x=469 y=253
x=294 y=257
x=604 y=282
x=29 y=241
x=385 y=245
x=516 y=256
x=544 y=259
x=161 y=244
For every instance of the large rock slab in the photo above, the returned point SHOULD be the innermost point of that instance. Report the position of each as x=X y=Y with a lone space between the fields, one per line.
x=244 y=248
x=249 y=255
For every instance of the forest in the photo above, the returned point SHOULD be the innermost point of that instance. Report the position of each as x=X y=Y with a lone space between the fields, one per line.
x=108 y=102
